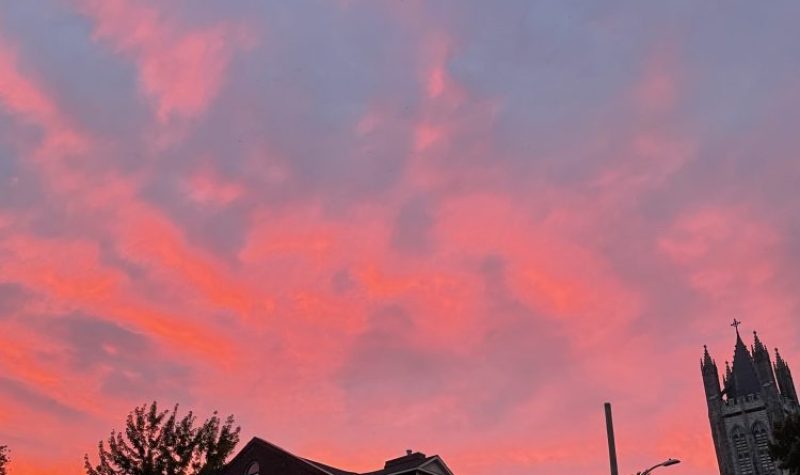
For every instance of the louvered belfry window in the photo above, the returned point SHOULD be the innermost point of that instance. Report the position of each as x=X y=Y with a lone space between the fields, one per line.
x=761 y=436
x=743 y=459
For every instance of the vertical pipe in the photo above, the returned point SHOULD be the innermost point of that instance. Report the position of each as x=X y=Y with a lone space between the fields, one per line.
x=612 y=448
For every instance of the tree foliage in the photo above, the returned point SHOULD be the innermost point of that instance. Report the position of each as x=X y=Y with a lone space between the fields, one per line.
x=159 y=443
x=785 y=447
x=3 y=459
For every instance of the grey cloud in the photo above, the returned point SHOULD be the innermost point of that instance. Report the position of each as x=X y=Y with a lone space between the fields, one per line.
x=38 y=400
x=387 y=359
x=95 y=342
x=130 y=363
x=414 y=226
x=342 y=281
x=12 y=297
x=521 y=354
x=19 y=187
x=97 y=88
x=221 y=229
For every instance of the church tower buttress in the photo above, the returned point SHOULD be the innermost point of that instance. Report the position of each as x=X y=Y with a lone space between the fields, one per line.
x=708 y=368
x=784 y=376
x=766 y=377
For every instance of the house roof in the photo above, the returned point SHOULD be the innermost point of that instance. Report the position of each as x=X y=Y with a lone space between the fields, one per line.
x=257 y=441
x=404 y=464
x=329 y=469
x=407 y=463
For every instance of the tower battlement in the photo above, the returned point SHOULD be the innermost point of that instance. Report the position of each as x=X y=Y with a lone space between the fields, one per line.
x=745 y=403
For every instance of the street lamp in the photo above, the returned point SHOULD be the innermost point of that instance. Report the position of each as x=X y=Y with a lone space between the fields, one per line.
x=666 y=463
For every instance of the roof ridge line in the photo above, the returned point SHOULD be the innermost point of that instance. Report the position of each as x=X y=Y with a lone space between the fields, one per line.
x=324 y=465
x=259 y=439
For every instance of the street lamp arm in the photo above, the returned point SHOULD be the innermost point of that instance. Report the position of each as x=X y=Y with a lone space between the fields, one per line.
x=665 y=463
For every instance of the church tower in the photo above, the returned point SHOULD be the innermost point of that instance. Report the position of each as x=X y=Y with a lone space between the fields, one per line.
x=755 y=394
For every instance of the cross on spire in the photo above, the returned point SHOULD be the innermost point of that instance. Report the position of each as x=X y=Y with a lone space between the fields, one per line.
x=736 y=324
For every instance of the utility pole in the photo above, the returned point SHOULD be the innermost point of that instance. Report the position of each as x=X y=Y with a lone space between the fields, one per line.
x=612 y=448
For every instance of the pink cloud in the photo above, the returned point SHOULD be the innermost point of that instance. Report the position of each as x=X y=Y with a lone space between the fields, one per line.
x=205 y=187
x=659 y=87
x=23 y=96
x=448 y=214
x=180 y=68
x=725 y=250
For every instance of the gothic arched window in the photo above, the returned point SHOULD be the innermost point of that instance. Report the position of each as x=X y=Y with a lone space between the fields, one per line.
x=253 y=469
x=742 y=451
x=761 y=437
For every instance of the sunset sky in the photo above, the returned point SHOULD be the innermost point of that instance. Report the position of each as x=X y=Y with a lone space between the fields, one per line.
x=368 y=226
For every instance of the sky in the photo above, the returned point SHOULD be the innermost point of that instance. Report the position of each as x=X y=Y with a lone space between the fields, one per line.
x=362 y=227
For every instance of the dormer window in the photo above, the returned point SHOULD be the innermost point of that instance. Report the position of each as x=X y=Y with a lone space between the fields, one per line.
x=252 y=469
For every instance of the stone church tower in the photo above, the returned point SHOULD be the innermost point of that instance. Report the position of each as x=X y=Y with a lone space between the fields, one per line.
x=754 y=395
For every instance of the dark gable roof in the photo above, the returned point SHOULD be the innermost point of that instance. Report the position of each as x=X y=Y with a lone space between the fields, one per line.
x=329 y=469
x=405 y=464
x=413 y=462
x=400 y=465
x=256 y=443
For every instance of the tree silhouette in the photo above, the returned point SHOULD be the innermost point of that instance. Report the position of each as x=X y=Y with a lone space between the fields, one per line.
x=785 y=447
x=158 y=443
x=3 y=459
